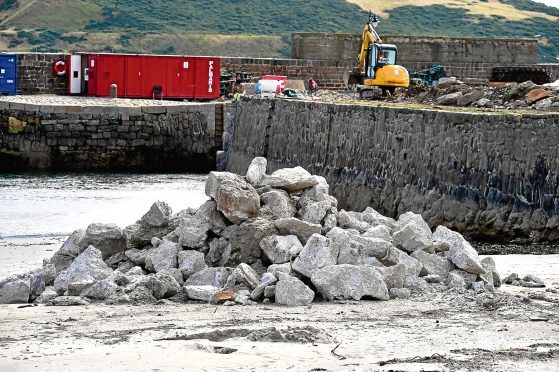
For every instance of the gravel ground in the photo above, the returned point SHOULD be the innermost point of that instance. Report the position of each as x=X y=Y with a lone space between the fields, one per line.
x=54 y=100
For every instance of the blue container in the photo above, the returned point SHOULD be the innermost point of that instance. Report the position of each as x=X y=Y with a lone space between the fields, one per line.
x=8 y=74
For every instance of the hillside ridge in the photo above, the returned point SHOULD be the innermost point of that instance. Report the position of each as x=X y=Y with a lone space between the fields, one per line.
x=254 y=27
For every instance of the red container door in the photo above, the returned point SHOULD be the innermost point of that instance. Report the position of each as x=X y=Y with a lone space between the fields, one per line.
x=180 y=77
x=207 y=78
x=133 y=76
x=153 y=75
x=110 y=70
x=92 y=75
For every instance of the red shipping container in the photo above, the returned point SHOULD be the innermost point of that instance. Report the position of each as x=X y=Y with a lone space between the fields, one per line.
x=207 y=78
x=139 y=76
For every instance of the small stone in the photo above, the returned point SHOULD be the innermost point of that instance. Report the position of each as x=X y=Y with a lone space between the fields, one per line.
x=256 y=170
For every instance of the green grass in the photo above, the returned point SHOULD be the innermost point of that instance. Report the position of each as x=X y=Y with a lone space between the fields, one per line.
x=165 y=25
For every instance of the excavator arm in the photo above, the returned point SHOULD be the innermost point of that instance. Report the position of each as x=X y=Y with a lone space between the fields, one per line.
x=369 y=37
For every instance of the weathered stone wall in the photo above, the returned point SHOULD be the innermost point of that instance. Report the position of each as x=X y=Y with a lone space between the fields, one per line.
x=74 y=138
x=461 y=57
x=328 y=74
x=492 y=176
x=35 y=74
x=414 y=49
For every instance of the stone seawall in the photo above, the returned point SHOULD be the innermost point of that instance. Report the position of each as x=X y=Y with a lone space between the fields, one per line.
x=493 y=176
x=74 y=137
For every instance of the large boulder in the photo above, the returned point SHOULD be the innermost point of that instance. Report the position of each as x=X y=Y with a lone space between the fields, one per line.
x=153 y=286
x=107 y=238
x=301 y=229
x=85 y=270
x=256 y=170
x=374 y=218
x=290 y=179
x=267 y=279
x=206 y=293
x=163 y=257
x=349 y=282
x=314 y=212
x=355 y=249
x=244 y=240
x=15 y=289
x=157 y=222
x=489 y=265
x=461 y=253
x=352 y=220
x=193 y=232
x=281 y=249
x=158 y=215
x=433 y=264
x=72 y=247
x=190 y=262
x=101 y=290
x=316 y=194
x=244 y=275
x=214 y=276
x=318 y=252
x=235 y=198
x=396 y=256
x=414 y=234
x=277 y=204
x=194 y=229
x=290 y=291
x=138 y=256
x=394 y=276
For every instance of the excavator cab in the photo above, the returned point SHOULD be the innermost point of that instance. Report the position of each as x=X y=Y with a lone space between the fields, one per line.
x=380 y=55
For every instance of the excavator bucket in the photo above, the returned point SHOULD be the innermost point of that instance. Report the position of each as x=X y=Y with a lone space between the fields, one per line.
x=352 y=78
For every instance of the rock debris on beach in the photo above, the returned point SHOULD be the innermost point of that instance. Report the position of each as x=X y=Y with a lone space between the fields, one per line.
x=277 y=237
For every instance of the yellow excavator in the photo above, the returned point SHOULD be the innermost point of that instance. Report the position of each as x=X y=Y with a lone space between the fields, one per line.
x=377 y=72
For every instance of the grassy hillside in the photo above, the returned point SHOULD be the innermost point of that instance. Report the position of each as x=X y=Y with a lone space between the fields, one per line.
x=255 y=27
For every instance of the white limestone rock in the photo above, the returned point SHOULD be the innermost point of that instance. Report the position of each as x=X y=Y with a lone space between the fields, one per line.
x=461 y=253
x=290 y=291
x=281 y=249
x=317 y=253
x=349 y=282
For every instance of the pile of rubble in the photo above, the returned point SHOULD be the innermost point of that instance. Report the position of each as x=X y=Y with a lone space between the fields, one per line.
x=262 y=237
x=476 y=93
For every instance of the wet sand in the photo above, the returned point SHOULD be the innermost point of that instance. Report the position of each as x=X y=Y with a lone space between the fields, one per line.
x=441 y=332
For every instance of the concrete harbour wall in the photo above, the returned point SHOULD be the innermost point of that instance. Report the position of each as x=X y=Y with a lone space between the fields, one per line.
x=493 y=176
x=118 y=138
